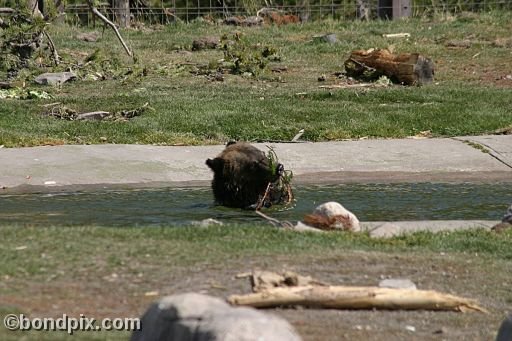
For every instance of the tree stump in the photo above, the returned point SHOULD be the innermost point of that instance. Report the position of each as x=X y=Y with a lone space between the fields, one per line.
x=405 y=68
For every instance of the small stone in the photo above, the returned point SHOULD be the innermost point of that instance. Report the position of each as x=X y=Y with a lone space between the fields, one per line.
x=208 y=222
x=441 y=330
x=329 y=38
x=50 y=183
x=205 y=43
x=397 y=283
x=93 y=116
x=90 y=37
x=410 y=328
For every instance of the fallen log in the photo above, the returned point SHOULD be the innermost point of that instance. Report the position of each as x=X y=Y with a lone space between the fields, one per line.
x=343 y=297
x=405 y=68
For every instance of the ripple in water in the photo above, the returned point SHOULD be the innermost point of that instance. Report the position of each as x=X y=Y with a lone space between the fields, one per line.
x=176 y=207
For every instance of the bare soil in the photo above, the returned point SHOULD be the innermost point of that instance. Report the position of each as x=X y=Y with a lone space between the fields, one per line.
x=99 y=294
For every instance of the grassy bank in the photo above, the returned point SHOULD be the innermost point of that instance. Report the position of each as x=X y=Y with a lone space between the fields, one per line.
x=471 y=94
x=117 y=272
x=72 y=248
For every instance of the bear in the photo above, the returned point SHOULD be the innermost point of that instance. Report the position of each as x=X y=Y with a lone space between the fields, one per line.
x=242 y=175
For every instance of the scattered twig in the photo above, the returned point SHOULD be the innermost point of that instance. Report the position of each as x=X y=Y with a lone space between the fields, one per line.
x=273 y=221
x=297 y=137
x=397 y=35
x=347 y=86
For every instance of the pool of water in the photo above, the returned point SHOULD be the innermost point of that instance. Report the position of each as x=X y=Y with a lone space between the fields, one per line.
x=181 y=206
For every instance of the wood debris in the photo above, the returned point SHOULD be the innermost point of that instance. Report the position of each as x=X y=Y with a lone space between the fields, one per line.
x=271 y=290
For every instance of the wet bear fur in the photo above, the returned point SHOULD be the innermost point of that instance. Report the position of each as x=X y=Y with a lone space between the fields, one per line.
x=241 y=173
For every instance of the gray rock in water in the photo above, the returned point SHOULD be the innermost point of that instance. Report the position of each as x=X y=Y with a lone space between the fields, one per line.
x=197 y=317
x=505 y=331
x=397 y=283
x=54 y=78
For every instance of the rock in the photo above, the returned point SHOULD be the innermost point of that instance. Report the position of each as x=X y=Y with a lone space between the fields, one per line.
x=506 y=221
x=90 y=37
x=234 y=21
x=327 y=38
x=252 y=21
x=55 y=78
x=397 y=283
x=205 y=43
x=93 y=116
x=465 y=44
x=410 y=328
x=505 y=331
x=507 y=218
x=199 y=317
x=240 y=21
x=332 y=215
x=208 y=222
x=386 y=230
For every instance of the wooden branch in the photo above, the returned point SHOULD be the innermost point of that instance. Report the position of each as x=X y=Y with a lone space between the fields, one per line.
x=406 y=68
x=7 y=10
x=342 y=297
x=111 y=24
x=56 y=57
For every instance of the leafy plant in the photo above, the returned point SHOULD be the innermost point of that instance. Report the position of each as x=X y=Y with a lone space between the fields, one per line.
x=242 y=57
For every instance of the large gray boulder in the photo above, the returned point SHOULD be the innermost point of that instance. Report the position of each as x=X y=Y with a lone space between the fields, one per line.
x=505 y=331
x=55 y=78
x=204 y=318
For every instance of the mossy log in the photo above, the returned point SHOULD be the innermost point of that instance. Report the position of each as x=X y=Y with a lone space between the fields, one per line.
x=342 y=297
x=405 y=68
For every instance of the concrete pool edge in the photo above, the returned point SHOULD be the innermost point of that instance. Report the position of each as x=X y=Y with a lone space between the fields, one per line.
x=314 y=178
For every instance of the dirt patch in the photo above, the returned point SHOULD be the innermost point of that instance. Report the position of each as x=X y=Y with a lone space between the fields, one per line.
x=98 y=294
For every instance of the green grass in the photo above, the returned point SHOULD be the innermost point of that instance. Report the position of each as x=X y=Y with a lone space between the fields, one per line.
x=30 y=256
x=189 y=109
x=68 y=248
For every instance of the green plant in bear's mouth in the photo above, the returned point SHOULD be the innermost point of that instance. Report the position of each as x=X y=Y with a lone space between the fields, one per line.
x=279 y=191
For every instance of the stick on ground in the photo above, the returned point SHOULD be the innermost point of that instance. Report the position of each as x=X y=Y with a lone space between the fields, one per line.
x=343 y=297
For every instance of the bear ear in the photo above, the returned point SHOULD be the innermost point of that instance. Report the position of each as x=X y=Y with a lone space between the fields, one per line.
x=230 y=142
x=215 y=164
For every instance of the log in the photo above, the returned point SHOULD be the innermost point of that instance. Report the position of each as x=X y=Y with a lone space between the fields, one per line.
x=405 y=68
x=343 y=297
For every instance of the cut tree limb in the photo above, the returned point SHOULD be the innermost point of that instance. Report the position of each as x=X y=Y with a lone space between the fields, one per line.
x=111 y=24
x=55 y=55
x=342 y=297
x=405 y=68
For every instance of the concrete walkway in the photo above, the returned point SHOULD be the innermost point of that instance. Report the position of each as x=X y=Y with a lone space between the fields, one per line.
x=474 y=158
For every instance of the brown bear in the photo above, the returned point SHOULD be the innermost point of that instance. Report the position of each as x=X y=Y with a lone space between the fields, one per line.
x=241 y=175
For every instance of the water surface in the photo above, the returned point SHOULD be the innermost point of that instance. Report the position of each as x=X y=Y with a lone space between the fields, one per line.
x=181 y=206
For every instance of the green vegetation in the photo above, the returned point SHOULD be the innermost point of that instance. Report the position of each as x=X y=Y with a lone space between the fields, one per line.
x=471 y=94
x=189 y=246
